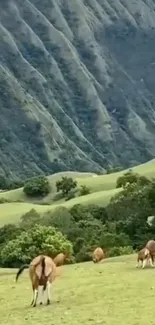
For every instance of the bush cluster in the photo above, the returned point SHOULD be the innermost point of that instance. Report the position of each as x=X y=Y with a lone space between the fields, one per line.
x=120 y=228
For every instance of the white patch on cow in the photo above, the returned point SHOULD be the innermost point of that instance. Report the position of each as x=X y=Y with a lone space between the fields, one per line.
x=150 y=261
x=144 y=263
x=146 y=253
x=48 y=290
x=35 y=296
x=40 y=294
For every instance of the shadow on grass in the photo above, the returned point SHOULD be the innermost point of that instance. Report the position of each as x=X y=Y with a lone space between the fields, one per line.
x=28 y=307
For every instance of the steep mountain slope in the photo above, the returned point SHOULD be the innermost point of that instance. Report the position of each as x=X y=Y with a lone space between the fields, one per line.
x=76 y=84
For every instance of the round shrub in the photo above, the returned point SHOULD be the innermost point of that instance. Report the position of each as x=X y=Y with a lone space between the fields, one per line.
x=37 y=186
x=35 y=241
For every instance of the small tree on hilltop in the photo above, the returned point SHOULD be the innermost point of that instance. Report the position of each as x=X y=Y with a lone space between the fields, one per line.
x=29 y=219
x=37 y=186
x=65 y=185
x=84 y=190
x=3 y=183
x=132 y=178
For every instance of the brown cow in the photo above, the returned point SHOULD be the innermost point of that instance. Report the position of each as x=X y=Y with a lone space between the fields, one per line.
x=151 y=247
x=143 y=255
x=59 y=259
x=42 y=272
x=98 y=255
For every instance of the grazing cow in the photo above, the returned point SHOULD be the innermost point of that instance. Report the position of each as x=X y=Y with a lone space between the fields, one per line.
x=143 y=255
x=59 y=259
x=42 y=272
x=151 y=247
x=98 y=255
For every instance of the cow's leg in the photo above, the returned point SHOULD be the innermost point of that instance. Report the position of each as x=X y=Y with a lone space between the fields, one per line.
x=151 y=261
x=48 y=292
x=35 y=296
x=138 y=261
x=152 y=257
x=144 y=263
x=41 y=299
x=43 y=292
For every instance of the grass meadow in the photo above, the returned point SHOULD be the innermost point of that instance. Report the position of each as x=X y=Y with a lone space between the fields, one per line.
x=102 y=188
x=113 y=292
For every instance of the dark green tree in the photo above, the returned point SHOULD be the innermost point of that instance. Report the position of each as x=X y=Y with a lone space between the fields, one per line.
x=84 y=190
x=3 y=183
x=29 y=219
x=130 y=178
x=35 y=241
x=66 y=185
x=8 y=232
x=37 y=186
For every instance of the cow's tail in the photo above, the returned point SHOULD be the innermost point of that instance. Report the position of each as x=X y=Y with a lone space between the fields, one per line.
x=42 y=262
x=20 y=271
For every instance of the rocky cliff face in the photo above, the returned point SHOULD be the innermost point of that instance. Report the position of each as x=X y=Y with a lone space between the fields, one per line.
x=76 y=84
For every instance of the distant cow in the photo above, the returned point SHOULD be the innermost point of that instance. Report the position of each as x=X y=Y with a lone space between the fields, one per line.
x=151 y=247
x=42 y=272
x=98 y=255
x=59 y=259
x=144 y=257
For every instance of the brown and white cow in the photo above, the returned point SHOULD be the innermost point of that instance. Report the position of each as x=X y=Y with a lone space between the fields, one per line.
x=149 y=253
x=143 y=257
x=98 y=255
x=59 y=259
x=42 y=272
x=151 y=247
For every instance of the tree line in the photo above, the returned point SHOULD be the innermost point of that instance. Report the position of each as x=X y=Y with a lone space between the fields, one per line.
x=120 y=228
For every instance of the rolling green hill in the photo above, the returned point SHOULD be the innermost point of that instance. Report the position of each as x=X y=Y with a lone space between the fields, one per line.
x=102 y=188
x=76 y=85
x=11 y=212
x=106 y=293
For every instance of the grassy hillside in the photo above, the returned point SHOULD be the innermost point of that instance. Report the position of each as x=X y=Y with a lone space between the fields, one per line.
x=102 y=188
x=96 y=183
x=11 y=212
x=110 y=293
x=18 y=194
x=76 y=85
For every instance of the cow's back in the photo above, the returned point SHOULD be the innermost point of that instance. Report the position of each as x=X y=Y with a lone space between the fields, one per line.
x=143 y=254
x=59 y=259
x=36 y=268
x=151 y=246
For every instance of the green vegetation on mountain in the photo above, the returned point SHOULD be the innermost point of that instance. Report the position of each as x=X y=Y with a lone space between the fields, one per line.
x=76 y=85
x=37 y=186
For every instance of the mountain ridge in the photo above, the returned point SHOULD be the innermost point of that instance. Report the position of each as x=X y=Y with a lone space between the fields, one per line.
x=76 y=85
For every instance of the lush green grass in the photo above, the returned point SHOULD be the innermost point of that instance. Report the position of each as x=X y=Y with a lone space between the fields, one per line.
x=114 y=292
